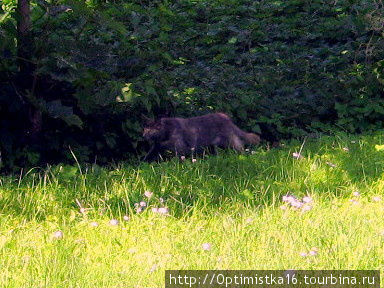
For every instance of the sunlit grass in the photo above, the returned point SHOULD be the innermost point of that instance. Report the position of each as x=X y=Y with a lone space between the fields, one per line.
x=224 y=212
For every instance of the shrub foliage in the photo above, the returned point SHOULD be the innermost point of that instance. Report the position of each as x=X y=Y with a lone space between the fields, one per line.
x=283 y=68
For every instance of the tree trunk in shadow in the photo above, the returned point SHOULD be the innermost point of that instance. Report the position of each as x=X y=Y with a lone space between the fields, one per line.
x=25 y=80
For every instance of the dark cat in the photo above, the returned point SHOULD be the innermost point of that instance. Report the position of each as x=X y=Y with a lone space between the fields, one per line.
x=183 y=135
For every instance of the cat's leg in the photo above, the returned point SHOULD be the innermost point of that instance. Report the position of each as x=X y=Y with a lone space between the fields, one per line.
x=214 y=150
x=153 y=153
x=236 y=143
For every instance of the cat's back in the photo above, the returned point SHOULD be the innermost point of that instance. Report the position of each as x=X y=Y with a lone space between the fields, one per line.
x=209 y=119
x=173 y=123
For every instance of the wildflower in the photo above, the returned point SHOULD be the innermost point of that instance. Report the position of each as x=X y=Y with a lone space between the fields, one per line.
x=247 y=150
x=136 y=204
x=331 y=164
x=143 y=204
x=312 y=253
x=206 y=246
x=155 y=210
x=307 y=208
x=307 y=199
x=114 y=222
x=283 y=207
x=161 y=200
x=194 y=160
x=297 y=155
x=82 y=210
x=249 y=220
x=285 y=198
x=289 y=198
x=163 y=210
x=303 y=254
x=153 y=268
x=346 y=149
x=26 y=259
x=58 y=235
x=376 y=198
x=126 y=218
x=354 y=201
x=297 y=204
x=148 y=194
x=253 y=152
x=356 y=193
x=139 y=209
x=94 y=224
x=182 y=158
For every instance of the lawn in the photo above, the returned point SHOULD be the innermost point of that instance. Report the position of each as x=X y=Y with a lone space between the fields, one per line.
x=313 y=204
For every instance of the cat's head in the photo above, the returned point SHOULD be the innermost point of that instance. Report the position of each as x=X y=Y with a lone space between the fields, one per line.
x=152 y=129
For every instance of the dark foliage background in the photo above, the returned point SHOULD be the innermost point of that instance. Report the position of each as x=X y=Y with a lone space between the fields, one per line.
x=283 y=68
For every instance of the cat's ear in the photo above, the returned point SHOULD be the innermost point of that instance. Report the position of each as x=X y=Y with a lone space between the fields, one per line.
x=146 y=120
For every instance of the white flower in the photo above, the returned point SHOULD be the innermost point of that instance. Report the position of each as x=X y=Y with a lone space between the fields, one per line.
x=312 y=253
x=58 y=235
x=194 y=160
x=182 y=158
x=376 y=198
x=307 y=207
x=114 y=222
x=126 y=218
x=331 y=164
x=94 y=224
x=148 y=194
x=354 y=201
x=297 y=204
x=286 y=198
x=163 y=210
x=289 y=199
x=249 y=220
x=297 y=155
x=303 y=254
x=307 y=199
x=139 y=209
x=154 y=267
x=143 y=204
x=346 y=149
x=161 y=200
x=356 y=193
x=206 y=246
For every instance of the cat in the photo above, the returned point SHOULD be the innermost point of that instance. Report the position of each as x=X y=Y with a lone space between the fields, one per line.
x=188 y=135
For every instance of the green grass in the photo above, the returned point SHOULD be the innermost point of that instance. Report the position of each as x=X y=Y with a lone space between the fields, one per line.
x=230 y=201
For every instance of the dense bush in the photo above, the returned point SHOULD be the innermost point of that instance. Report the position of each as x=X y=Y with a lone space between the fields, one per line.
x=285 y=68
